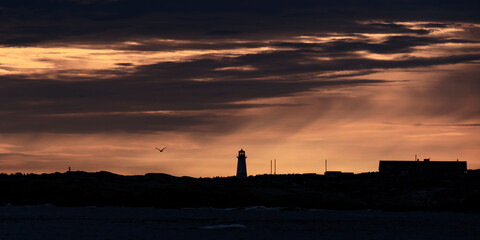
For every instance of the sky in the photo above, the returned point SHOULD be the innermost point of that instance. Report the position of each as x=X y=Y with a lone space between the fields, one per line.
x=97 y=85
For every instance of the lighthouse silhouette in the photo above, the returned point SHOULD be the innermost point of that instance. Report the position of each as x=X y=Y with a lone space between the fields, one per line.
x=242 y=164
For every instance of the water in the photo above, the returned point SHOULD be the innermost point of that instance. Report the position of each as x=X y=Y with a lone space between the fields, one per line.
x=50 y=222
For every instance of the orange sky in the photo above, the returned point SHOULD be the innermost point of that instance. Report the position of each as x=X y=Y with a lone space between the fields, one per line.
x=352 y=97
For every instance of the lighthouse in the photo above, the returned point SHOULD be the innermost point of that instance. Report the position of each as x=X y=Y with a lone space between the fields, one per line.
x=242 y=164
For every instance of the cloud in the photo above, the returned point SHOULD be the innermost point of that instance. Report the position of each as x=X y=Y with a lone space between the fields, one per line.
x=124 y=64
x=59 y=22
x=222 y=32
x=133 y=101
x=392 y=44
x=21 y=41
x=125 y=105
x=268 y=72
x=451 y=96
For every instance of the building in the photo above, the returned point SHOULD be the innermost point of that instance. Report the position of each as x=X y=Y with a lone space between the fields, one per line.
x=425 y=167
x=242 y=164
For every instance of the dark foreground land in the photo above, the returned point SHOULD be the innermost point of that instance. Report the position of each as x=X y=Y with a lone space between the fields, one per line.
x=356 y=192
x=52 y=223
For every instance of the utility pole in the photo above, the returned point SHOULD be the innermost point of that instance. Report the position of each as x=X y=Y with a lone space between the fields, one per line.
x=270 y=167
x=275 y=167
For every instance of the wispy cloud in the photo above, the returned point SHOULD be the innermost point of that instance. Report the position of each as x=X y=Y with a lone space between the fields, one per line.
x=320 y=75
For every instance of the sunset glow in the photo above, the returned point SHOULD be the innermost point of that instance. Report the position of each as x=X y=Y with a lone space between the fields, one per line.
x=101 y=94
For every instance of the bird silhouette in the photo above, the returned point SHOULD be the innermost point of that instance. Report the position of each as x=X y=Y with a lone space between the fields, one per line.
x=160 y=150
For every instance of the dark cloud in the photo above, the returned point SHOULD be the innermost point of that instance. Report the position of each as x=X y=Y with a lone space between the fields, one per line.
x=264 y=6
x=56 y=21
x=90 y=106
x=390 y=28
x=21 y=41
x=207 y=83
x=119 y=104
x=435 y=25
x=222 y=32
x=124 y=64
x=126 y=123
x=304 y=61
x=122 y=95
x=210 y=83
x=393 y=44
x=190 y=45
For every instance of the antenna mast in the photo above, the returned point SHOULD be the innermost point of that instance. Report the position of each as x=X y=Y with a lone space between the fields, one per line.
x=270 y=167
x=275 y=167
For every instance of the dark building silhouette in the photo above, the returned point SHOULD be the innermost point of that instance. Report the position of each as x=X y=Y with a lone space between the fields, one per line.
x=337 y=174
x=242 y=164
x=424 y=167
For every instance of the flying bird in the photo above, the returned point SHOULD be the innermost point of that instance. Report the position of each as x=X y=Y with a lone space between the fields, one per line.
x=161 y=150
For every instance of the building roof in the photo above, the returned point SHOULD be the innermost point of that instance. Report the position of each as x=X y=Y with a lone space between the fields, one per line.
x=426 y=165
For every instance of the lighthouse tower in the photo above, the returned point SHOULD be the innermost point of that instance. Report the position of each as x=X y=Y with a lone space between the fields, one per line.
x=242 y=164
